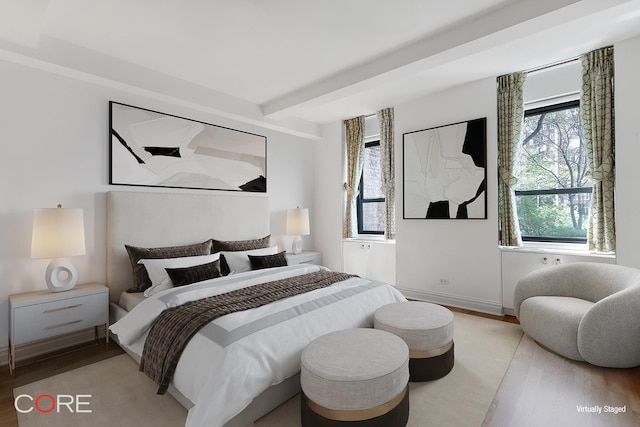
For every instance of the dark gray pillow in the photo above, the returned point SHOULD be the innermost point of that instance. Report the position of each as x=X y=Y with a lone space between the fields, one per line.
x=259 y=262
x=240 y=245
x=186 y=275
x=141 y=279
x=235 y=246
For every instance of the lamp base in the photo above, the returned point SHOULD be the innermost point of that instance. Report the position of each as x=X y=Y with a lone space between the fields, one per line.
x=61 y=275
x=296 y=246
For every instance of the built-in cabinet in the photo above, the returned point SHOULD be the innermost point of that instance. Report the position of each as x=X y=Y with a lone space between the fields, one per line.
x=516 y=263
x=374 y=260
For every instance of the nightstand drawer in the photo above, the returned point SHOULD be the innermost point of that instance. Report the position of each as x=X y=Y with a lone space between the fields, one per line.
x=49 y=319
x=306 y=257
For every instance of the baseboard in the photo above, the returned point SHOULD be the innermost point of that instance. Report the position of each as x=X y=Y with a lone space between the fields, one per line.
x=481 y=306
x=39 y=348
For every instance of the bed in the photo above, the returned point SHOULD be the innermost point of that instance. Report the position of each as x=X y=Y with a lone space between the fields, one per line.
x=243 y=364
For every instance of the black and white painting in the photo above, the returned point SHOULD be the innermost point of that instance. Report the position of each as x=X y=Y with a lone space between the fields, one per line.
x=149 y=148
x=445 y=173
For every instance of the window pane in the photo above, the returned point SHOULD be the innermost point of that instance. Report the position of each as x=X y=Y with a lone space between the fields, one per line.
x=554 y=215
x=373 y=216
x=372 y=173
x=553 y=157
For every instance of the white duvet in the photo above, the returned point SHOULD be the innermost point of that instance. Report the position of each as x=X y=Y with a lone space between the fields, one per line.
x=238 y=356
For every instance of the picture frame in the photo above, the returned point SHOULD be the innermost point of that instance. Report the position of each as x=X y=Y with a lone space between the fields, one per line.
x=444 y=171
x=153 y=149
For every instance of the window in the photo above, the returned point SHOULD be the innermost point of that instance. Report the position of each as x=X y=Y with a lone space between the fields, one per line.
x=553 y=194
x=370 y=200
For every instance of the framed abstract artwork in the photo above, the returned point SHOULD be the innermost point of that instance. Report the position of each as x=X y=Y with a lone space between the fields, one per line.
x=445 y=171
x=149 y=148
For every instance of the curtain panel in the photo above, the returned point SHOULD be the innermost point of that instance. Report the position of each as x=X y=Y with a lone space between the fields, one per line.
x=597 y=115
x=354 y=146
x=510 y=121
x=385 y=118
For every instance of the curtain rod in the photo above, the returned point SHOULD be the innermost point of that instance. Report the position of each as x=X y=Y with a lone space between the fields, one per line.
x=555 y=64
x=367 y=116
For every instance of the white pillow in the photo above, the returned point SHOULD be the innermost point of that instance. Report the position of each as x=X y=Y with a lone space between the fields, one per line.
x=238 y=261
x=160 y=279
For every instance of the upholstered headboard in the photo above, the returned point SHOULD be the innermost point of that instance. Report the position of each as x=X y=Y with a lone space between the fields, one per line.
x=168 y=219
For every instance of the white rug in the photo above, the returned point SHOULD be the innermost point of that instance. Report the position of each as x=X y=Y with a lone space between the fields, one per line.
x=122 y=396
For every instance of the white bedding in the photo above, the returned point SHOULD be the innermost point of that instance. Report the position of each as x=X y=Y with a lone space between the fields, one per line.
x=238 y=356
x=128 y=300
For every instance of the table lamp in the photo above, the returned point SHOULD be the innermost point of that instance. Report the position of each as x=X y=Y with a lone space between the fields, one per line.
x=58 y=233
x=297 y=225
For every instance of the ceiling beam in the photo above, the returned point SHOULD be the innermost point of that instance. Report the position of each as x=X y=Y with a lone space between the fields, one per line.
x=515 y=20
x=73 y=61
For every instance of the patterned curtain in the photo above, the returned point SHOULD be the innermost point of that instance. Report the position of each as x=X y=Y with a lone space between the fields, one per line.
x=510 y=119
x=385 y=118
x=354 y=129
x=596 y=107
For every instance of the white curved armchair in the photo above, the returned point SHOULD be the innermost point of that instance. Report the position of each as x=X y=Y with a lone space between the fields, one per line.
x=583 y=311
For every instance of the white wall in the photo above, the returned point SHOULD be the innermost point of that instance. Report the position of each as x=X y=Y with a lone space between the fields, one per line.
x=550 y=85
x=627 y=110
x=329 y=195
x=465 y=252
x=54 y=139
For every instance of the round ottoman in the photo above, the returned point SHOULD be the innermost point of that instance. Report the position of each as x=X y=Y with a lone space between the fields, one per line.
x=355 y=377
x=428 y=331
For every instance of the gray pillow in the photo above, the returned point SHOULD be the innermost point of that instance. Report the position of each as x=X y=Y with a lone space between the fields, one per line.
x=141 y=279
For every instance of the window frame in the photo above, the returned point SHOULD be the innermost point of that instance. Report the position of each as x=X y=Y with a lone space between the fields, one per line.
x=545 y=192
x=360 y=200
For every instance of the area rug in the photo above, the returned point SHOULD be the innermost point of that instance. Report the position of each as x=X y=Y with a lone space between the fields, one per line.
x=120 y=395
x=115 y=392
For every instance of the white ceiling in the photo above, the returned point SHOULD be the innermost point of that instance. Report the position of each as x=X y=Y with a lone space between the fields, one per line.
x=292 y=64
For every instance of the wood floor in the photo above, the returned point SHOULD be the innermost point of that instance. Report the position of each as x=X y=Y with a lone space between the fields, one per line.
x=34 y=370
x=541 y=388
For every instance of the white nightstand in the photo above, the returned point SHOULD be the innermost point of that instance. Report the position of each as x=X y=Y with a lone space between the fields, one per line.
x=304 y=257
x=45 y=314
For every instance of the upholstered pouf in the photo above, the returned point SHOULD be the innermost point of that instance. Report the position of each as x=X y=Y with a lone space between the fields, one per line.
x=428 y=331
x=355 y=377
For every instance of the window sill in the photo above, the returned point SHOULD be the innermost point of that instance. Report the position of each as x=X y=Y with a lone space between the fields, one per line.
x=556 y=248
x=369 y=238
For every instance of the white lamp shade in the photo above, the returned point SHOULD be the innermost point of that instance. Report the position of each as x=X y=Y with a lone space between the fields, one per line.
x=57 y=233
x=298 y=221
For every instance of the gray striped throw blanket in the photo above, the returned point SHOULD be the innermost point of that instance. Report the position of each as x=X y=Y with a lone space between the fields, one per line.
x=174 y=327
